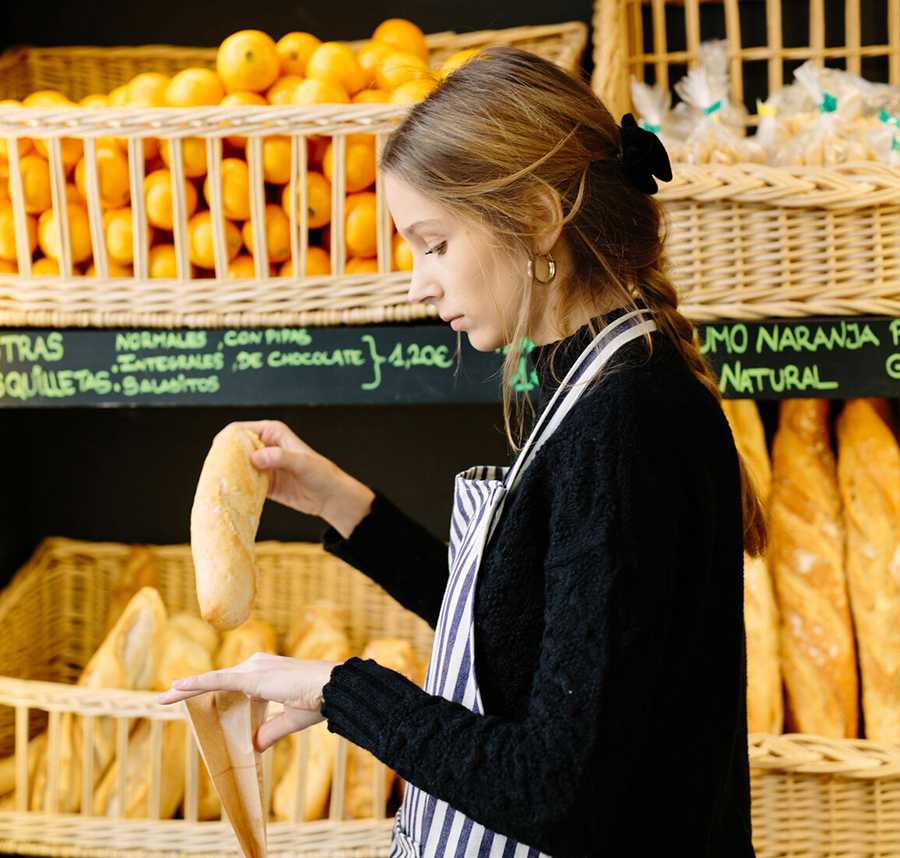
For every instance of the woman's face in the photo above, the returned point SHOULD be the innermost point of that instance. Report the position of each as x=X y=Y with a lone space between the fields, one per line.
x=456 y=268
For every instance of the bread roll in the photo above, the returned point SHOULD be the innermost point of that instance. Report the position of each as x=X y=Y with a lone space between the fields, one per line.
x=239 y=644
x=128 y=659
x=320 y=641
x=196 y=629
x=224 y=519
x=869 y=478
x=181 y=656
x=315 y=613
x=141 y=570
x=806 y=554
x=765 y=703
x=398 y=655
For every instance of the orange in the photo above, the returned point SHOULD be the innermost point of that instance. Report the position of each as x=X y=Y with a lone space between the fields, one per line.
x=7 y=267
x=320 y=92
x=237 y=98
x=334 y=62
x=318 y=200
x=35 y=183
x=46 y=98
x=193 y=155
x=235 y=189
x=370 y=56
x=401 y=253
x=242 y=267
x=117 y=227
x=359 y=164
x=360 y=231
x=158 y=198
x=24 y=142
x=278 y=234
x=4 y=182
x=371 y=96
x=403 y=35
x=45 y=267
x=192 y=87
x=112 y=174
x=200 y=240
x=161 y=262
x=79 y=233
x=147 y=89
x=399 y=68
x=276 y=153
x=118 y=96
x=315 y=150
x=95 y=100
x=318 y=264
x=8 y=232
x=248 y=60
x=453 y=62
x=295 y=50
x=413 y=91
x=113 y=268
x=71 y=149
x=282 y=91
x=355 y=265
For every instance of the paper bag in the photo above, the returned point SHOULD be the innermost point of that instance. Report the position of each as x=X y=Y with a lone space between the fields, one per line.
x=224 y=724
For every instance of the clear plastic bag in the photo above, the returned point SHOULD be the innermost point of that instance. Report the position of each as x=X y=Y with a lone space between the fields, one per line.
x=885 y=138
x=652 y=107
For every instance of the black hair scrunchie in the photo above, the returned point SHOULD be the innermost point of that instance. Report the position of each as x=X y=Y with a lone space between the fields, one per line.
x=643 y=156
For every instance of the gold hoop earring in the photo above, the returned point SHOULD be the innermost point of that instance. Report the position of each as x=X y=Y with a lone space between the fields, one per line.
x=551 y=270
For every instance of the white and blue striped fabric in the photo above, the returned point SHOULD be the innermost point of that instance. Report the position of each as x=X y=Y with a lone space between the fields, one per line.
x=425 y=826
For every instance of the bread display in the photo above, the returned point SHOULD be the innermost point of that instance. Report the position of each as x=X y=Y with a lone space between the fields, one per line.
x=806 y=555
x=869 y=480
x=224 y=519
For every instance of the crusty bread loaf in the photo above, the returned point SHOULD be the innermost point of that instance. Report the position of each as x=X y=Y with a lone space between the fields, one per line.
x=225 y=515
x=315 y=613
x=394 y=654
x=196 y=629
x=765 y=696
x=239 y=644
x=869 y=478
x=128 y=658
x=320 y=641
x=36 y=749
x=806 y=556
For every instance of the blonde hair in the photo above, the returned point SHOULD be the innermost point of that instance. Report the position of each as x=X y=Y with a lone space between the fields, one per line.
x=508 y=125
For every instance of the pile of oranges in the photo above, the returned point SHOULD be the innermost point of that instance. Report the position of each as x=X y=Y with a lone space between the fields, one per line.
x=251 y=69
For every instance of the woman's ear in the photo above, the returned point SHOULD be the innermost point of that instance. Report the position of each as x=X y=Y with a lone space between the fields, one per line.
x=550 y=220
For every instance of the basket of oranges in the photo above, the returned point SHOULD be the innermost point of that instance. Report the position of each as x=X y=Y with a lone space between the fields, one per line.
x=160 y=186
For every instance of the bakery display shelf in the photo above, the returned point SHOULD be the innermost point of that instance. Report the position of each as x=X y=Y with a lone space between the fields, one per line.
x=833 y=357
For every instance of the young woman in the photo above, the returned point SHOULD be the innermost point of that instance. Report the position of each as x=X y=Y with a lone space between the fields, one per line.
x=586 y=693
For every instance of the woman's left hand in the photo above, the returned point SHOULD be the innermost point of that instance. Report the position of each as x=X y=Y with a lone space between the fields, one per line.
x=295 y=683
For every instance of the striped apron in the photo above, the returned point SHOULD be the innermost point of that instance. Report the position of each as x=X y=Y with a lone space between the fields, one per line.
x=425 y=826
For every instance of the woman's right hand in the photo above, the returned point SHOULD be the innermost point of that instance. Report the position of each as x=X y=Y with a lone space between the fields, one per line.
x=305 y=480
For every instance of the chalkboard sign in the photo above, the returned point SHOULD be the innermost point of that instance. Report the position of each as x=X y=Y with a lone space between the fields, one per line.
x=403 y=364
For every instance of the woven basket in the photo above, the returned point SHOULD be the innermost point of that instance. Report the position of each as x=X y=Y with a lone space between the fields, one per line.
x=264 y=300
x=54 y=612
x=812 y=797
x=752 y=241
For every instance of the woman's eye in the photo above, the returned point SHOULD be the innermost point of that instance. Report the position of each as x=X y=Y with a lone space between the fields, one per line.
x=439 y=248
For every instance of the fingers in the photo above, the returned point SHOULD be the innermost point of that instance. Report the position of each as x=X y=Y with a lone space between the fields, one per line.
x=289 y=721
x=273 y=457
x=173 y=696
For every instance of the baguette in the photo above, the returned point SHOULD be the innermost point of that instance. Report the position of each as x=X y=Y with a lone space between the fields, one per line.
x=807 y=561
x=225 y=516
x=869 y=478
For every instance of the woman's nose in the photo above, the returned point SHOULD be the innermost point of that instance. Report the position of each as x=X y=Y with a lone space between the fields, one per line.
x=421 y=289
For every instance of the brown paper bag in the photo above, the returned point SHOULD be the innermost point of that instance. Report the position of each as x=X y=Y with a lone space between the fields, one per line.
x=224 y=724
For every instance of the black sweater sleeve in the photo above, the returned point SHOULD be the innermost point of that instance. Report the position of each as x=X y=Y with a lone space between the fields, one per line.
x=398 y=554
x=521 y=777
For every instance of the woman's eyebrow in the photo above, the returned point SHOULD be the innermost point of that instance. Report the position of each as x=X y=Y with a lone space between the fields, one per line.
x=414 y=226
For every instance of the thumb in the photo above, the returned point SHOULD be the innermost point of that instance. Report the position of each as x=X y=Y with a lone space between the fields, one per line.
x=271 y=457
x=289 y=721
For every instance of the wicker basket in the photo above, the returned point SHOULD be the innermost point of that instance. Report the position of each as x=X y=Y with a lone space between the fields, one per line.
x=754 y=241
x=216 y=301
x=54 y=614
x=810 y=795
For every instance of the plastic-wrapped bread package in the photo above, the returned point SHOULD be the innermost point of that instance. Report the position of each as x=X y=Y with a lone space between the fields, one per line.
x=869 y=479
x=806 y=556
x=765 y=702
x=128 y=658
x=181 y=656
x=885 y=139
x=394 y=654
x=320 y=640
x=652 y=106
x=717 y=135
